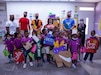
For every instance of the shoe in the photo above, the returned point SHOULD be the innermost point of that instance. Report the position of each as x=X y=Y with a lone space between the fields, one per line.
x=30 y=63
x=17 y=63
x=73 y=66
x=84 y=61
x=91 y=61
x=24 y=66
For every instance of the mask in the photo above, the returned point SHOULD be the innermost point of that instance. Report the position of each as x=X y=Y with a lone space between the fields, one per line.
x=36 y=17
x=8 y=38
x=25 y=15
x=74 y=38
x=69 y=16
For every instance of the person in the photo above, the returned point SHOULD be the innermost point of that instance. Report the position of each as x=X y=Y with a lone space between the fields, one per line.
x=36 y=23
x=45 y=48
x=74 y=45
x=24 y=23
x=11 y=26
x=81 y=28
x=38 y=52
x=68 y=23
x=49 y=24
x=25 y=41
x=9 y=46
x=92 y=45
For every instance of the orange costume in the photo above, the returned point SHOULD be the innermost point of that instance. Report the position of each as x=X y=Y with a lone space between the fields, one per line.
x=36 y=25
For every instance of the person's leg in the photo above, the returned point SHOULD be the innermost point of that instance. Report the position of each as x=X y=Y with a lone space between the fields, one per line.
x=82 y=39
x=47 y=52
x=91 y=56
x=86 y=56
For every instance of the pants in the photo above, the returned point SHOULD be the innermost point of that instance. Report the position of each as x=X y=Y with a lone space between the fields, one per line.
x=26 y=54
x=11 y=55
x=82 y=39
x=87 y=54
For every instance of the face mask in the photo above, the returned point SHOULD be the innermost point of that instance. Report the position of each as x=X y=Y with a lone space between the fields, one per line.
x=25 y=15
x=69 y=16
x=36 y=17
x=81 y=22
x=74 y=38
x=8 y=38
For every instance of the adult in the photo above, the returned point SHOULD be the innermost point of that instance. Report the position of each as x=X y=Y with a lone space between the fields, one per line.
x=68 y=23
x=81 y=28
x=24 y=23
x=11 y=26
x=36 y=23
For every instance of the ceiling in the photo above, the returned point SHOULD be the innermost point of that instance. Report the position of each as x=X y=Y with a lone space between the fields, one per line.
x=93 y=1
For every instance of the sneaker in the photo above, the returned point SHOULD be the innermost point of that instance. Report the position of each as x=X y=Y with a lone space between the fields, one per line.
x=91 y=61
x=24 y=66
x=17 y=63
x=84 y=61
x=30 y=63
x=73 y=66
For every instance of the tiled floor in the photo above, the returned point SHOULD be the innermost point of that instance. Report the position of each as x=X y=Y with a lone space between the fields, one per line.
x=49 y=69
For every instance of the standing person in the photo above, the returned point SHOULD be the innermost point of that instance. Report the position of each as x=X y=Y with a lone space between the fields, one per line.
x=36 y=23
x=81 y=28
x=38 y=52
x=74 y=45
x=92 y=45
x=9 y=45
x=24 y=23
x=11 y=26
x=26 y=40
x=68 y=23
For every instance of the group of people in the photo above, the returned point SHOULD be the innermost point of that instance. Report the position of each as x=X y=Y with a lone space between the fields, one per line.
x=17 y=37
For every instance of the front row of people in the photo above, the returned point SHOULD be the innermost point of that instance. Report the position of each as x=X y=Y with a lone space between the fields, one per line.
x=72 y=42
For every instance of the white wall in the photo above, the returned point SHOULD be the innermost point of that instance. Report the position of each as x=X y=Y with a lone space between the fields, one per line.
x=43 y=8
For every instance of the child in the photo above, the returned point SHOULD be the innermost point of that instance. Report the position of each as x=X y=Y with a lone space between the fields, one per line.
x=74 y=45
x=9 y=45
x=25 y=40
x=92 y=45
x=38 y=57
x=45 y=48
x=18 y=46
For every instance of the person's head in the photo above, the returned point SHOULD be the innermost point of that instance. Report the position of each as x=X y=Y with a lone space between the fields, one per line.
x=34 y=32
x=44 y=31
x=81 y=21
x=68 y=14
x=50 y=21
x=36 y=15
x=61 y=34
x=12 y=17
x=17 y=35
x=26 y=33
x=74 y=36
x=8 y=36
x=93 y=32
x=25 y=14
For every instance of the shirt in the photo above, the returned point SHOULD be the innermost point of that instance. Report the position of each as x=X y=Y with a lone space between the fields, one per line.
x=10 y=44
x=74 y=45
x=68 y=23
x=17 y=43
x=24 y=22
x=12 y=26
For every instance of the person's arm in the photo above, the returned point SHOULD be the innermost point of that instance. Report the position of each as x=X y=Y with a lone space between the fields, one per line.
x=73 y=24
x=7 y=27
x=7 y=30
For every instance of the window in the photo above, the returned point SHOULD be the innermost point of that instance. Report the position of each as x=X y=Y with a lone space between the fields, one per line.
x=86 y=8
x=87 y=22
